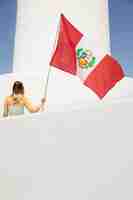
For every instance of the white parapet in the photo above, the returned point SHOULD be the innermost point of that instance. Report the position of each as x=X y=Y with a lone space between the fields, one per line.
x=78 y=154
x=37 y=22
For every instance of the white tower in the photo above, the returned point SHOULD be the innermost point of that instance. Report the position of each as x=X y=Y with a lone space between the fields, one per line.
x=37 y=23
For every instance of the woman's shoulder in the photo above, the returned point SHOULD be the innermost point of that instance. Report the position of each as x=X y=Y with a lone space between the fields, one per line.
x=26 y=100
x=8 y=98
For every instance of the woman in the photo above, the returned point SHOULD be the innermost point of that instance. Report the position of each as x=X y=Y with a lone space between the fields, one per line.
x=16 y=102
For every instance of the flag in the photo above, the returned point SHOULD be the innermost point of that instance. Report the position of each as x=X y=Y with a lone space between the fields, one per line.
x=64 y=56
x=105 y=76
x=81 y=56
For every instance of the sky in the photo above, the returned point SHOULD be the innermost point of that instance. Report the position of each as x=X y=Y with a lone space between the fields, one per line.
x=7 y=34
x=121 y=33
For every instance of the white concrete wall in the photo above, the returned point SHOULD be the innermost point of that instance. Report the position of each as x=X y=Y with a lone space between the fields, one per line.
x=37 y=22
x=79 y=154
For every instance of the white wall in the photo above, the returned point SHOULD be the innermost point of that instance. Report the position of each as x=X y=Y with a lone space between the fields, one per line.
x=37 y=22
x=79 y=154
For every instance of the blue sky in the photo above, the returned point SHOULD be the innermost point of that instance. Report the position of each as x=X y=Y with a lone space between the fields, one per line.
x=121 y=33
x=7 y=32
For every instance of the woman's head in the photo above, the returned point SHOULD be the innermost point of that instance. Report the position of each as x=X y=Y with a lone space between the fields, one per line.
x=18 y=88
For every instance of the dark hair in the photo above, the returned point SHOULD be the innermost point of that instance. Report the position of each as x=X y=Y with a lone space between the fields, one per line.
x=18 y=88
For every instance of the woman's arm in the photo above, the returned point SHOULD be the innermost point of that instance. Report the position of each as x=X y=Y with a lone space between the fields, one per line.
x=5 y=112
x=30 y=107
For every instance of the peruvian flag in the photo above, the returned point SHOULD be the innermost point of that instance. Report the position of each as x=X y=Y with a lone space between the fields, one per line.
x=81 y=56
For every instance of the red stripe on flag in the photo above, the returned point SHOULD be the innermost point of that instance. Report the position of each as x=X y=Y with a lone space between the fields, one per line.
x=104 y=77
x=73 y=34
x=64 y=57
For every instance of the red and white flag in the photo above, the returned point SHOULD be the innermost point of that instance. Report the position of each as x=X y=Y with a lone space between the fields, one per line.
x=81 y=56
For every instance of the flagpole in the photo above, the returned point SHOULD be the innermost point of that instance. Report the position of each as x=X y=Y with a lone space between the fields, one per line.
x=47 y=81
x=49 y=68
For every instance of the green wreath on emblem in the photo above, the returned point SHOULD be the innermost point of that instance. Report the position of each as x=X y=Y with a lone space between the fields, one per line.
x=85 y=58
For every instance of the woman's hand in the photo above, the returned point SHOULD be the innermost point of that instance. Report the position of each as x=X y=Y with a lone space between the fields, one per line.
x=43 y=100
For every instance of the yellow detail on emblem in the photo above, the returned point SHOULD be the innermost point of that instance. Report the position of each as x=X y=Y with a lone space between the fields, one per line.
x=85 y=58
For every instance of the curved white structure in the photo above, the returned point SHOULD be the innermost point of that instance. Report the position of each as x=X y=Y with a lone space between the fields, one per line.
x=37 y=23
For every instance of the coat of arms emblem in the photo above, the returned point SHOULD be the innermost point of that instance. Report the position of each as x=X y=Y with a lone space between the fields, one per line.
x=85 y=58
